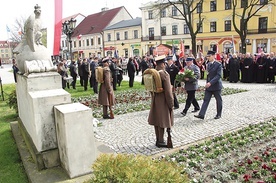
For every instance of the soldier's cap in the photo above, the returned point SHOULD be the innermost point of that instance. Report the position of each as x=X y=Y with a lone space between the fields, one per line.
x=161 y=58
x=189 y=59
x=211 y=53
x=105 y=60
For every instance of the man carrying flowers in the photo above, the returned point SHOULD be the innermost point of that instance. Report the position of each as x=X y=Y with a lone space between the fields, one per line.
x=190 y=78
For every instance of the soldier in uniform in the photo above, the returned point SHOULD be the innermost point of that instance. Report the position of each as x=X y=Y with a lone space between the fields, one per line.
x=213 y=86
x=191 y=85
x=106 y=94
x=173 y=70
x=161 y=111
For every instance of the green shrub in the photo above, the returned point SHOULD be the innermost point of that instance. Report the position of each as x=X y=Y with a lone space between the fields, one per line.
x=12 y=101
x=125 y=168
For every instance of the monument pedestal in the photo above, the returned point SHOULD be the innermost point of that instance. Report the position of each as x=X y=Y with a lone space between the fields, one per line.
x=37 y=94
x=75 y=136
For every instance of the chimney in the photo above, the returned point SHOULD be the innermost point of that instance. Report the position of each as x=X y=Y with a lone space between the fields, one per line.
x=105 y=8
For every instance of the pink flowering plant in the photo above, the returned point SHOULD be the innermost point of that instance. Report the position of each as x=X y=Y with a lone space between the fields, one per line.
x=247 y=156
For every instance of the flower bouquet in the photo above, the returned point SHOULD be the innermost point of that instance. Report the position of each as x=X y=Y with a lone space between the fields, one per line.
x=180 y=77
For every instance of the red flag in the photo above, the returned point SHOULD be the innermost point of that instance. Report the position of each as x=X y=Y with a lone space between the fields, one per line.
x=217 y=54
x=79 y=36
x=181 y=54
x=58 y=24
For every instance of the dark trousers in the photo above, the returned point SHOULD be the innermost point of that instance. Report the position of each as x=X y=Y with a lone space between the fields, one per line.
x=175 y=101
x=94 y=83
x=114 y=76
x=191 y=100
x=85 y=82
x=131 y=80
x=206 y=100
x=74 y=82
x=81 y=80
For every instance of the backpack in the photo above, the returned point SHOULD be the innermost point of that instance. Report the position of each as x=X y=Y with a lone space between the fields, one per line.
x=99 y=73
x=152 y=80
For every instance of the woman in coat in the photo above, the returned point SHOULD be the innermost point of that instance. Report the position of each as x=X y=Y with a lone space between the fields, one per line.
x=161 y=114
x=106 y=93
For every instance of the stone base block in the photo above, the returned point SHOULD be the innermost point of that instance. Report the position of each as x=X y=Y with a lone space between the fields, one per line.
x=43 y=160
x=75 y=136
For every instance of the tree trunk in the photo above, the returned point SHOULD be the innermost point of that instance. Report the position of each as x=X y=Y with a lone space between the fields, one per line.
x=193 y=37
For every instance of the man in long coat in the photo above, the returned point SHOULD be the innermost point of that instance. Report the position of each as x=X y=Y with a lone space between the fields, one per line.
x=161 y=111
x=247 y=69
x=106 y=93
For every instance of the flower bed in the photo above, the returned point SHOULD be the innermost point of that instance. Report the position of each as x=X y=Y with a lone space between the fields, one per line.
x=247 y=155
x=138 y=100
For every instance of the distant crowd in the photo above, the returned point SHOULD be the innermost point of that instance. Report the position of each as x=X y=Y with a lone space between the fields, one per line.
x=246 y=68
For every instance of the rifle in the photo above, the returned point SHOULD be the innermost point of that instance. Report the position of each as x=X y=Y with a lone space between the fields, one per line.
x=169 y=139
x=110 y=107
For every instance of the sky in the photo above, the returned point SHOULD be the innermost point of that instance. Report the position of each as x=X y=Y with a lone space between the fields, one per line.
x=18 y=9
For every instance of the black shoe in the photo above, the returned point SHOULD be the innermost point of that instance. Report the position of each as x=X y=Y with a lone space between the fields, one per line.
x=106 y=117
x=175 y=107
x=199 y=116
x=161 y=144
x=217 y=117
x=183 y=113
x=195 y=110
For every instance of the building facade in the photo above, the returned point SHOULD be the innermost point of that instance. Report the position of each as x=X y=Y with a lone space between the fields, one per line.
x=162 y=26
x=124 y=37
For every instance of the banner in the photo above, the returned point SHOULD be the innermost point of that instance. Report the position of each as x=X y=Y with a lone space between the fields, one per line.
x=182 y=50
x=58 y=26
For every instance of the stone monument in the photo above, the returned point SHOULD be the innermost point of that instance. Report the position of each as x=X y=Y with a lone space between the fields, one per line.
x=44 y=107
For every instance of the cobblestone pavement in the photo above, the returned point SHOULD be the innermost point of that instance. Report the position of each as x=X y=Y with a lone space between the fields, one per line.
x=130 y=133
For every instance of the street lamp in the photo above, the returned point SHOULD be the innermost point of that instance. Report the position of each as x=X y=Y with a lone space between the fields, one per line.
x=68 y=29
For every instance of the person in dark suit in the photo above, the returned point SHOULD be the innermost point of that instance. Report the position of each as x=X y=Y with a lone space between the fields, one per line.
x=131 y=71
x=85 y=69
x=93 y=82
x=191 y=85
x=114 y=71
x=173 y=70
x=161 y=111
x=73 y=73
x=143 y=66
x=213 y=86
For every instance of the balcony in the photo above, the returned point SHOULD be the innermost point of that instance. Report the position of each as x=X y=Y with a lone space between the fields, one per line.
x=261 y=31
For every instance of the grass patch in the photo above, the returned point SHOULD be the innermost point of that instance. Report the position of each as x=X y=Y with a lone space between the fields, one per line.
x=11 y=167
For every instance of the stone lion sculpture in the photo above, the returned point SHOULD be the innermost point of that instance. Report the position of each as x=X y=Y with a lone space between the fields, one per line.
x=32 y=56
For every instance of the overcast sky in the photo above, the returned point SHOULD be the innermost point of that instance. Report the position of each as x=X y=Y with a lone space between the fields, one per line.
x=15 y=9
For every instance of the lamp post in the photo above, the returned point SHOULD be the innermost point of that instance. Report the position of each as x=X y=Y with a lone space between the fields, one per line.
x=68 y=29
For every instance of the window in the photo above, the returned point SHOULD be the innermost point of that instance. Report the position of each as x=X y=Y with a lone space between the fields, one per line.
x=186 y=29
x=213 y=5
x=263 y=25
x=244 y=3
x=174 y=30
x=135 y=34
x=75 y=44
x=92 y=41
x=227 y=25
x=150 y=14
x=213 y=26
x=79 y=43
x=117 y=36
x=87 y=42
x=99 y=40
x=163 y=13
x=263 y=2
x=163 y=31
x=151 y=33
x=200 y=28
x=199 y=8
x=174 y=11
x=228 y=4
x=126 y=35
x=108 y=37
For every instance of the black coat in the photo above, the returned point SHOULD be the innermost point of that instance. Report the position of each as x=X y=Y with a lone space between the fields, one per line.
x=173 y=71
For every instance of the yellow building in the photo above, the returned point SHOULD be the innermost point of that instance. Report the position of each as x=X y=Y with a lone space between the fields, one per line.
x=218 y=30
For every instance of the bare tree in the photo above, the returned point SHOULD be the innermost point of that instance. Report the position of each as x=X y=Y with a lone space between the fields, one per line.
x=250 y=8
x=191 y=13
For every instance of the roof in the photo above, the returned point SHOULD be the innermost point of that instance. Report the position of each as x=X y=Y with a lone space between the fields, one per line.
x=126 y=23
x=95 y=23
x=72 y=16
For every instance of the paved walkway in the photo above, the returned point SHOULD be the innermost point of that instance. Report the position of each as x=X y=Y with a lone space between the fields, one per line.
x=130 y=133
